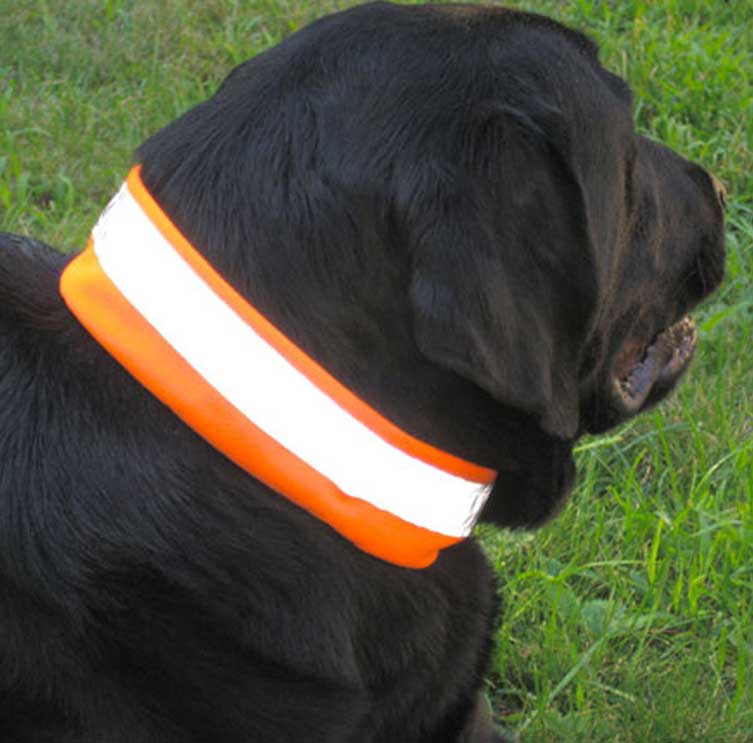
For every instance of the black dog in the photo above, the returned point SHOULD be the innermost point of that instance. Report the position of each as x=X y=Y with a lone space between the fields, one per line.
x=449 y=209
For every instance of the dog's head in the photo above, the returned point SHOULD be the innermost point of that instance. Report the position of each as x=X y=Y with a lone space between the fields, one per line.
x=450 y=209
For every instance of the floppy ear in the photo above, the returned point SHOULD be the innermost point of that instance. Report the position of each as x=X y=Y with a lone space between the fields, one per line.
x=503 y=286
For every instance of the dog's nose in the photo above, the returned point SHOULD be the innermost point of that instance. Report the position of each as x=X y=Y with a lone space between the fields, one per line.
x=721 y=190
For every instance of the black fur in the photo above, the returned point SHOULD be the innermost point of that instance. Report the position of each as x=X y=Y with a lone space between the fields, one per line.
x=450 y=210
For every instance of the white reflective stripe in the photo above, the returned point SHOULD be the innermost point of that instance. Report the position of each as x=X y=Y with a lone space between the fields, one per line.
x=268 y=390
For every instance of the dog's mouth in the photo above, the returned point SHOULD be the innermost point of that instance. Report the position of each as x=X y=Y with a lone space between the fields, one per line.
x=645 y=372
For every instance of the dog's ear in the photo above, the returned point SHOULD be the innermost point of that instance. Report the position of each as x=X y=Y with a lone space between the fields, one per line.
x=504 y=287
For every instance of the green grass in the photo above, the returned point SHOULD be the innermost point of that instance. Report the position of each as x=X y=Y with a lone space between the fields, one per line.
x=629 y=618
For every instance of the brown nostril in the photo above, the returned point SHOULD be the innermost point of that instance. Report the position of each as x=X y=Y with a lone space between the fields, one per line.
x=721 y=190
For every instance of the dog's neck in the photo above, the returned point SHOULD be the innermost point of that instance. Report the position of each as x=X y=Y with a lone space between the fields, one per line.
x=145 y=293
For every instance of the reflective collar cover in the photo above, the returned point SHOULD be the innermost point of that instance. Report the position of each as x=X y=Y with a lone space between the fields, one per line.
x=149 y=297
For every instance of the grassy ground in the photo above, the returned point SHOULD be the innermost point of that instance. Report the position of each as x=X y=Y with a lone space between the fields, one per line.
x=630 y=617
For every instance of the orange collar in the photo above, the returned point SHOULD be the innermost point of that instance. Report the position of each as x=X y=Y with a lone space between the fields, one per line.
x=150 y=298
